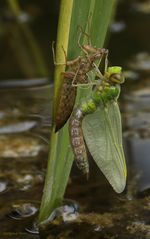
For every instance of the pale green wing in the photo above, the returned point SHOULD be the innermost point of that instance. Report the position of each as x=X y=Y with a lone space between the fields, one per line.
x=103 y=135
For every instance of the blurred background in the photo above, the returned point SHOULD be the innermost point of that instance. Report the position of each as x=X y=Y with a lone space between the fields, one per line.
x=27 y=29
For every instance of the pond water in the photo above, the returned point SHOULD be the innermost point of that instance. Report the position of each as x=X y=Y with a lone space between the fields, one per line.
x=96 y=211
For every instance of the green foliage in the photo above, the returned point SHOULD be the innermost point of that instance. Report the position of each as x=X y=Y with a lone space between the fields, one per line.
x=27 y=48
x=73 y=13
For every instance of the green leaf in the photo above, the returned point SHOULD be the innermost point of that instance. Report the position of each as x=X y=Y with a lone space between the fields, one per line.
x=73 y=13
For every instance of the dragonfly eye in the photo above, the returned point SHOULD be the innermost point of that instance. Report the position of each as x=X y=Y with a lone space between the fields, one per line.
x=116 y=78
x=114 y=75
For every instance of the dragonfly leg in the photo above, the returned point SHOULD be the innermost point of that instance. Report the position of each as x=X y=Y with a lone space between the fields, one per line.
x=86 y=34
x=88 y=39
x=89 y=28
x=54 y=57
x=70 y=63
x=106 y=61
x=98 y=73
x=86 y=83
x=79 y=45
x=75 y=77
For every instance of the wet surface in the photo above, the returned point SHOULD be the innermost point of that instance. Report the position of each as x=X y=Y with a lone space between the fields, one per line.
x=114 y=223
x=23 y=157
x=99 y=212
x=24 y=131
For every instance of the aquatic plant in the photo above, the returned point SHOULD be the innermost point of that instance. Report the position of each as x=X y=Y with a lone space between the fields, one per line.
x=73 y=13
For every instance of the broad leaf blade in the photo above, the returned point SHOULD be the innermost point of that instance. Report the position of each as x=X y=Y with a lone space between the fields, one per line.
x=73 y=13
x=103 y=135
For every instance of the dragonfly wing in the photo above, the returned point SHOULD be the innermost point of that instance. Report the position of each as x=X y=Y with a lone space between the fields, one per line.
x=103 y=135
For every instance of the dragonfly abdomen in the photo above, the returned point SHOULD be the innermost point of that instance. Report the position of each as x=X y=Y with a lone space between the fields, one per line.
x=77 y=140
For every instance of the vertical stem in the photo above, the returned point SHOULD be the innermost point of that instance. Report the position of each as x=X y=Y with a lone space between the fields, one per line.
x=73 y=13
x=30 y=39
x=52 y=195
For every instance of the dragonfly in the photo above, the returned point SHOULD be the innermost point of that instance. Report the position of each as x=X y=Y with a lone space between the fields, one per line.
x=76 y=73
x=96 y=121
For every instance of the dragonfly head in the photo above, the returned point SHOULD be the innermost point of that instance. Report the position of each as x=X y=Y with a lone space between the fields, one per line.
x=89 y=49
x=114 y=75
x=94 y=53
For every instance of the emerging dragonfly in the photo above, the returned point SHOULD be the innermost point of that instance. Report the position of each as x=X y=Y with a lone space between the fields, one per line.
x=75 y=74
x=97 y=121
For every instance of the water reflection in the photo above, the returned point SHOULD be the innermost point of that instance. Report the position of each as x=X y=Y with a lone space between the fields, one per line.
x=137 y=122
x=140 y=62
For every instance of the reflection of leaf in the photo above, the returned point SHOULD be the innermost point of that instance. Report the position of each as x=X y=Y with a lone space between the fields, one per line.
x=103 y=135
x=25 y=45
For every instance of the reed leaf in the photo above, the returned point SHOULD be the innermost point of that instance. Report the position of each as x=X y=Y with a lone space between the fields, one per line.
x=73 y=13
